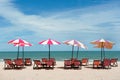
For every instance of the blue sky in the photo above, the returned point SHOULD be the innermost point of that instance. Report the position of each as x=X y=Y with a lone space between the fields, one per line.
x=36 y=20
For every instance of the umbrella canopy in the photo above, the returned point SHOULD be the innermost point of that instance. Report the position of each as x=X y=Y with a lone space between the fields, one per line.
x=49 y=42
x=75 y=43
x=103 y=44
x=20 y=42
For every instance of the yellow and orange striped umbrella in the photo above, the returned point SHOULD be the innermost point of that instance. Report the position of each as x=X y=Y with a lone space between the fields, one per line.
x=103 y=44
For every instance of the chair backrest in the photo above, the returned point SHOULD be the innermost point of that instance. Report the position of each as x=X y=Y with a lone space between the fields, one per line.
x=84 y=60
x=96 y=62
x=73 y=60
x=37 y=62
x=52 y=59
x=20 y=59
x=44 y=59
x=28 y=60
x=67 y=62
x=76 y=62
x=113 y=60
x=18 y=62
x=8 y=61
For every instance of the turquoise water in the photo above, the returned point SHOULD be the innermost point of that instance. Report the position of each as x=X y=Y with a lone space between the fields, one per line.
x=61 y=55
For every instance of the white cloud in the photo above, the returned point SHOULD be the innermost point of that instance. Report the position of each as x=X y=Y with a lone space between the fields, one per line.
x=79 y=22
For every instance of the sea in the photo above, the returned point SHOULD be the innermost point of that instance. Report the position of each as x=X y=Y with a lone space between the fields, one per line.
x=59 y=55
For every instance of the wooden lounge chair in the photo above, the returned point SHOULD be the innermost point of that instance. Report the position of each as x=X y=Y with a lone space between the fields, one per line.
x=97 y=64
x=84 y=61
x=44 y=62
x=114 y=62
x=106 y=63
x=19 y=63
x=37 y=64
x=28 y=62
x=76 y=64
x=8 y=64
x=67 y=64
x=53 y=61
x=50 y=64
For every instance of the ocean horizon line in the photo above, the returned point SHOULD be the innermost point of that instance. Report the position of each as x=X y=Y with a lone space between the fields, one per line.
x=58 y=51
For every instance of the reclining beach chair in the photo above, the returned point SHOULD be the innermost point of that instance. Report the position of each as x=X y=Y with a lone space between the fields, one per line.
x=28 y=62
x=44 y=62
x=67 y=64
x=84 y=61
x=19 y=63
x=53 y=61
x=114 y=62
x=8 y=64
x=37 y=64
x=50 y=64
x=106 y=63
x=97 y=64
x=76 y=64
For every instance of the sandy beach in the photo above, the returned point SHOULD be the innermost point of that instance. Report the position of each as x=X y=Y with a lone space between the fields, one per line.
x=59 y=73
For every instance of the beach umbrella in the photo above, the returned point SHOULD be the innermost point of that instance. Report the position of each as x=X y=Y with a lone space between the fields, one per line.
x=74 y=43
x=49 y=42
x=101 y=43
x=80 y=45
x=18 y=43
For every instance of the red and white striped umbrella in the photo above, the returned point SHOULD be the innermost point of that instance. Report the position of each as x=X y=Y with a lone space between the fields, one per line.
x=23 y=44
x=101 y=43
x=49 y=42
x=20 y=42
x=75 y=43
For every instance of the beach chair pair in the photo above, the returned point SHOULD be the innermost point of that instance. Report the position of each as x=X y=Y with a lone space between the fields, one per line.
x=105 y=64
x=13 y=64
x=45 y=63
x=73 y=63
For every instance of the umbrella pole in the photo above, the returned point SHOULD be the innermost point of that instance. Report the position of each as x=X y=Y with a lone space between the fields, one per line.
x=23 y=52
x=18 y=53
x=101 y=54
x=77 y=51
x=49 y=52
x=104 y=52
x=102 y=46
x=72 y=50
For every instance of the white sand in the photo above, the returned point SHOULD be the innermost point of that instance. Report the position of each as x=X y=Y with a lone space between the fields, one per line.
x=58 y=73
